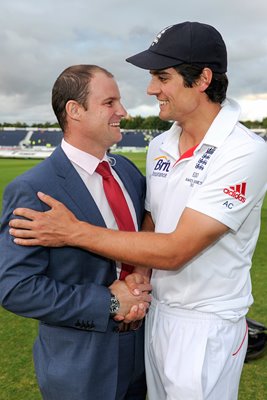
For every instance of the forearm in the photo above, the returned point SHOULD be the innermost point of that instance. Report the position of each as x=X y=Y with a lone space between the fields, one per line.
x=144 y=249
x=58 y=304
x=27 y=290
x=166 y=251
x=135 y=249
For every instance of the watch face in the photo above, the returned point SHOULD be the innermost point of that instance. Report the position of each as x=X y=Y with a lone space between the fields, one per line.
x=114 y=305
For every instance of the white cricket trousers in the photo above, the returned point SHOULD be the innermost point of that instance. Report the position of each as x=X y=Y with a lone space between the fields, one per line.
x=192 y=355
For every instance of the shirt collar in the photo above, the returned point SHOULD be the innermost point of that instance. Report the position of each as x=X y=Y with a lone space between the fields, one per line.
x=223 y=124
x=84 y=160
x=219 y=130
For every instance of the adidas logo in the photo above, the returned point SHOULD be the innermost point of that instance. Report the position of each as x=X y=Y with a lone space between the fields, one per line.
x=237 y=192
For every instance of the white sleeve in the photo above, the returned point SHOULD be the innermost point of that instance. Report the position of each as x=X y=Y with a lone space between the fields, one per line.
x=235 y=183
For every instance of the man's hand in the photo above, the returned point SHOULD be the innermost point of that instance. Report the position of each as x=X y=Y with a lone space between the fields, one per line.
x=138 y=283
x=139 y=280
x=132 y=307
x=50 y=228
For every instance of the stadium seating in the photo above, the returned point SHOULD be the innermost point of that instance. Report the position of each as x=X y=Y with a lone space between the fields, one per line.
x=40 y=143
x=46 y=138
x=12 y=138
x=132 y=139
x=32 y=138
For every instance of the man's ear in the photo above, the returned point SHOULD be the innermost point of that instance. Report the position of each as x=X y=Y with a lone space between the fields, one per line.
x=73 y=110
x=204 y=79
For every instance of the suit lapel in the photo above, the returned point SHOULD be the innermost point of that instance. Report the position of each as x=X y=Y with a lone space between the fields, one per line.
x=78 y=194
x=75 y=189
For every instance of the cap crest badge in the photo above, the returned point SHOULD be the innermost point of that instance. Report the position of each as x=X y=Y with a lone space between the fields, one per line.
x=156 y=40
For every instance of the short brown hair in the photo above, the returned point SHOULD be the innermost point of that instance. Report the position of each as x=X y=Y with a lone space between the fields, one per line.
x=73 y=84
x=216 y=91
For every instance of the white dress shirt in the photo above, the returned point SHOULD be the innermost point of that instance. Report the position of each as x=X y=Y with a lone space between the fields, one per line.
x=86 y=164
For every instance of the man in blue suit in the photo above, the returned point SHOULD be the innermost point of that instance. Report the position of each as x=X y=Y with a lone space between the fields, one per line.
x=82 y=350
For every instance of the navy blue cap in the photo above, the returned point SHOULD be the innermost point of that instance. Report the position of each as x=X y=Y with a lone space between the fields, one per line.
x=192 y=43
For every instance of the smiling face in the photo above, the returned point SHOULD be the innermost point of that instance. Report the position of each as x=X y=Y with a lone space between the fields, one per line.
x=97 y=126
x=176 y=101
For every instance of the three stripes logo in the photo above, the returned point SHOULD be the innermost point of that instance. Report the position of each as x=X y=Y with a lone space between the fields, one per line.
x=237 y=192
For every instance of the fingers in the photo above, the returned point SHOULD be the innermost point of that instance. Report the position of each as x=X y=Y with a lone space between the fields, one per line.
x=27 y=237
x=32 y=214
x=136 y=313
x=26 y=213
x=131 y=316
x=145 y=287
x=136 y=278
x=26 y=242
x=146 y=297
x=20 y=223
x=132 y=283
x=119 y=318
x=137 y=284
x=23 y=237
x=22 y=233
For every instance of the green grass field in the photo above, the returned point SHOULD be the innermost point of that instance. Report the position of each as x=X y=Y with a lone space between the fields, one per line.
x=17 y=380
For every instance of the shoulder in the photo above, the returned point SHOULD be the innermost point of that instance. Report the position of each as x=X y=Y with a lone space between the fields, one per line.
x=249 y=134
x=40 y=174
x=242 y=154
x=34 y=173
x=244 y=140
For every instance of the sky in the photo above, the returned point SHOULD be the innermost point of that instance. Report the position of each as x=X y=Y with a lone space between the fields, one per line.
x=40 y=38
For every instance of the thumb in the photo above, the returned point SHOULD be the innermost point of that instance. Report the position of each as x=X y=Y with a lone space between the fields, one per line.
x=45 y=198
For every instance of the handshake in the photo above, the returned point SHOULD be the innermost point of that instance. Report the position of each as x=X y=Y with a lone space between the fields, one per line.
x=134 y=297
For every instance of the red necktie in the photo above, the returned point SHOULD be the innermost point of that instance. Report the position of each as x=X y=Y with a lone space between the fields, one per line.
x=118 y=205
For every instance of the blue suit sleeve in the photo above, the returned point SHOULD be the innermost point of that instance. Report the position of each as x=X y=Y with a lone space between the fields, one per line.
x=27 y=287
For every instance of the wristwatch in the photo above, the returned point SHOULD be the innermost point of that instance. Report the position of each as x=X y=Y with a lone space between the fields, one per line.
x=114 y=305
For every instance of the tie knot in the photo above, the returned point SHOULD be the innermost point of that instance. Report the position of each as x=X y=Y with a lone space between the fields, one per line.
x=103 y=169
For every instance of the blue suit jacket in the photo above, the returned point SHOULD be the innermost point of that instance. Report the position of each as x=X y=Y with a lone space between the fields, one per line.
x=66 y=288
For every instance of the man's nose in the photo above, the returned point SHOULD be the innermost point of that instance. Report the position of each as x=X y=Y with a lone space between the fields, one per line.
x=152 y=88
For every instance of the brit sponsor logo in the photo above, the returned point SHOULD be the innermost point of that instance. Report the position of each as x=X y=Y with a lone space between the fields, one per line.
x=162 y=166
x=237 y=191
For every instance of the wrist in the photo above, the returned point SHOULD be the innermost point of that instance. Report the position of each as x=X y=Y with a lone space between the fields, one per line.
x=76 y=236
x=144 y=271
